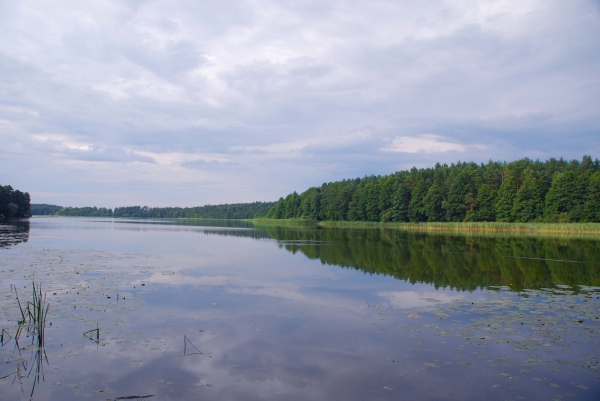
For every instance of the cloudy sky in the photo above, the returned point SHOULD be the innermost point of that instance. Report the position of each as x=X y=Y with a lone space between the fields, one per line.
x=190 y=102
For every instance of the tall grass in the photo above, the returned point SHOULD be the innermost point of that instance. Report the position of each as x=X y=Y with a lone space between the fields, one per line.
x=591 y=228
x=492 y=227
x=33 y=322
x=266 y=221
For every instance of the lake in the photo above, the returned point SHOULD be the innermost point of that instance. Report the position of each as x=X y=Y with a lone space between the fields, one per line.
x=225 y=310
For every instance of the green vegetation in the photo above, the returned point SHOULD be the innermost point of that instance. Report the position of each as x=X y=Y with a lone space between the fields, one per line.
x=523 y=191
x=266 y=221
x=43 y=209
x=226 y=211
x=32 y=325
x=496 y=227
x=14 y=203
x=463 y=262
x=77 y=211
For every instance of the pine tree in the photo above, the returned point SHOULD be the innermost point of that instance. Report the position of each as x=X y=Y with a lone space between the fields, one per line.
x=529 y=201
x=356 y=206
x=505 y=200
x=471 y=205
x=432 y=203
x=276 y=212
x=387 y=188
x=415 y=206
x=567 y=195
x=456 y=210
x=591 y=210
x=486 y=197
x=289 y=206
x=310 y=203
x=400 y=201
x=371 y=201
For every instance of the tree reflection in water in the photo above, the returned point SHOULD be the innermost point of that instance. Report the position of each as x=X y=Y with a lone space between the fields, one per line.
x=461 y=262
x=13 y=232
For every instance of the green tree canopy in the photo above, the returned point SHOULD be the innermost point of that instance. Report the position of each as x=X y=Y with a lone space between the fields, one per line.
x=14 y=203
x=505 y=201
x=522 y=190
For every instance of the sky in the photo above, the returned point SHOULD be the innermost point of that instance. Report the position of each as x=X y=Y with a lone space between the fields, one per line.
x=192 y=102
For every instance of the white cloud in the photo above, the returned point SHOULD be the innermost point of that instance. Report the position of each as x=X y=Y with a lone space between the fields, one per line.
x=414 y=299
x=427 y=143
x=62 y=146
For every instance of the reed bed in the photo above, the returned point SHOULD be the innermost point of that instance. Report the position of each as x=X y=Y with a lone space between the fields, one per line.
x=582 y=228
x=33 y=322
x=278 y=222
x=490 y=227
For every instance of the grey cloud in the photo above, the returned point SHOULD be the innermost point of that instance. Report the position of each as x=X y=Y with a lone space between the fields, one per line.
x=232 y=78
x=175 y=58
x=201 y=164
x=167 y=25
x=164 y=57
x=259 y=80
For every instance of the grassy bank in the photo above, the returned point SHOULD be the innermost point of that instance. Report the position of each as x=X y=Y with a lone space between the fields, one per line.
x=279 y=222
x=576 y=228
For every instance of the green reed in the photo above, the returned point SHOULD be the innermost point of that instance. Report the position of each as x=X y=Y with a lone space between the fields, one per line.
x=33 y=322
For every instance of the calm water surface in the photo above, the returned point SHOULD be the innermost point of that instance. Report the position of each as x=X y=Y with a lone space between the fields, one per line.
x=223 y=310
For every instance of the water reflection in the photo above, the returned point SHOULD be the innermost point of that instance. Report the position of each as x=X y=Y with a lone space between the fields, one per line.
x=13 y=232
x=27 y=340
x=462 y=262
x=188 y=311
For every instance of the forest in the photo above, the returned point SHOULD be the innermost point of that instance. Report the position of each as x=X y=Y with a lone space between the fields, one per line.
x=226 y=211
x=14 y=203
x=555 y=190
x=54 y=210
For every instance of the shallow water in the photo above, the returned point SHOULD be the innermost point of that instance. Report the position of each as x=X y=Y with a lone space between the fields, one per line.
x=225 y=310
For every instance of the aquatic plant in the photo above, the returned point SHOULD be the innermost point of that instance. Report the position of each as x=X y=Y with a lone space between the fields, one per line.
x=33 y=323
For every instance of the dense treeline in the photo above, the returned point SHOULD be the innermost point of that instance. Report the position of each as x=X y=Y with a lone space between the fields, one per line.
x=43 y=209
x=520 y=191
x=84 y=212
x=14 y=203
x=226 y=211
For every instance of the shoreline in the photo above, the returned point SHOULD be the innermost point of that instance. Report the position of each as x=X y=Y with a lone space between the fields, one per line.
x=458 y=227
x=490 y=227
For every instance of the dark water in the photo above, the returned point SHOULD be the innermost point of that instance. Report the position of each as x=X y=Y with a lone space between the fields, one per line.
x=189 y=310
